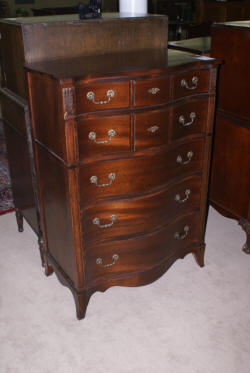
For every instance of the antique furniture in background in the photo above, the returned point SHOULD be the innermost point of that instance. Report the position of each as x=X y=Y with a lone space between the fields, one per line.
x=221 y=11
x=230 y=181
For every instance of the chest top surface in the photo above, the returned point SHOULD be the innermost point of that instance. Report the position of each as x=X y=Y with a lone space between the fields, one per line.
x=155 y=61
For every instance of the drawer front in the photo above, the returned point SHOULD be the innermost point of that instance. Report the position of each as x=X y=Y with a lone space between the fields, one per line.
x=191 y=83
x=122 y=219
x=138 y=175
x=135 y=255
x=95 y=97
x=189 y=117
x=152 y=128
x=103 y=135
x=151 y=91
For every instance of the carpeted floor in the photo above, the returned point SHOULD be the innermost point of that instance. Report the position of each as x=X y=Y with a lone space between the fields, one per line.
x=191 y=320
x=6 y=201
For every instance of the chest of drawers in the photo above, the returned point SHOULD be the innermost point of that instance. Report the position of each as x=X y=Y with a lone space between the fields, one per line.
x=122 y=158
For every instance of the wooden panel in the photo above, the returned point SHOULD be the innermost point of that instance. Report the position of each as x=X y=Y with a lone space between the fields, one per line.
x=151 y=91
x=96 y=36
x=142 y=214
x=231 y=45
x=93 y=131
x=230 y=182
x=54 y=188
x=152 y=128
x=138 y=174
x=190 y=117
x=47 y=113
x=12 y=56
x=143 y=253
x=185 y=84
x=110 y=95
x=13 y=110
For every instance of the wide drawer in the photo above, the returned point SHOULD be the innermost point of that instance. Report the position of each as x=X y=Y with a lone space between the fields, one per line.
x=138 y=174
x=102 y=96
x=125 y=218
x=189 y=117
x=151 y=91
x=152 y=128
x=125 y=257
x=191 y=83
x=103 y=135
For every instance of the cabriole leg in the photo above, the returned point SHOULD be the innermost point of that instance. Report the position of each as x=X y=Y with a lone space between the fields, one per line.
x=246 y=227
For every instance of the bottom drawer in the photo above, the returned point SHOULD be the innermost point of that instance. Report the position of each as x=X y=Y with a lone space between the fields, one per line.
x=137 y=255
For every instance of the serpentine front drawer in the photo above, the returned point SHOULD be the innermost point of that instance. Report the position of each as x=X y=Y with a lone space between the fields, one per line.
x=122 y=219
x=125 y=257
x=138 y=174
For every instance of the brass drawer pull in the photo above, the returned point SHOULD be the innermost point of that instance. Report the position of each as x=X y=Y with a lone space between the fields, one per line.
x=97 y=221
x=154 y=90
x=100 y=262
x=153 y=129
x=179 y=236
x=187 y=194
x=182 y=120
x=91 y=97
x=184 y=83
x=111 y=133
x=94 y=180
x=180 y=160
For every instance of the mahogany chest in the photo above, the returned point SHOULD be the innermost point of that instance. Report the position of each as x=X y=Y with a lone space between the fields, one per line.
x=122 y=149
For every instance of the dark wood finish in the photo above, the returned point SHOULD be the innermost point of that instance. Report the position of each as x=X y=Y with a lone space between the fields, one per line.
x=152 y=128
x=151 y=92
x=147 y=251
x=139 y=174
x=221 y=11
x=103 y=143
x=230 y=181
x=121 y=97
x=202 y=85
x=148 y=212
x=189 y=117
x=66 y=36
x=34 y=39
x=159 y=192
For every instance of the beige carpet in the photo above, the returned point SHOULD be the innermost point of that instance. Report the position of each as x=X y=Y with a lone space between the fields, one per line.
x=191 y=320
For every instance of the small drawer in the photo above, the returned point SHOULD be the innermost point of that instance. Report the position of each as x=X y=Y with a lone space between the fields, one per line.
x=151 y=92
x=189 y=117
x=152 y=128
x=138 y=174
x=143 y=253
x=191 y=83
x=125 y=218
x=103 y=135
x=95 y=97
